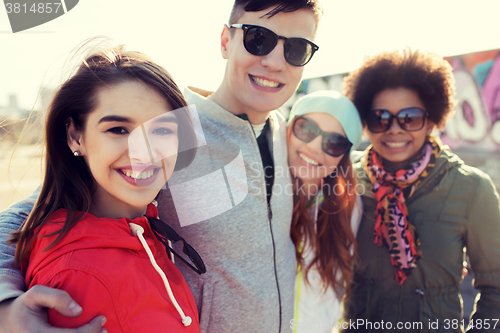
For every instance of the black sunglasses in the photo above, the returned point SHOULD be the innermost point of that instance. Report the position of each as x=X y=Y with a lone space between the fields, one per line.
x=164 y=232
x=260 y=41
x=333 y=144
x=409 y=119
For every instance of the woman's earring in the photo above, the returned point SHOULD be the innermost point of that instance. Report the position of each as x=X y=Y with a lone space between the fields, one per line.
x=76 y=153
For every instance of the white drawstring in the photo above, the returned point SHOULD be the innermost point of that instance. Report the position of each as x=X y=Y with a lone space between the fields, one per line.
x=137 y=230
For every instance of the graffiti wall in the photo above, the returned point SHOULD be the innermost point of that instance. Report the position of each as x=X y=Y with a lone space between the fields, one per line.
x=474 y=131
x=477 y=119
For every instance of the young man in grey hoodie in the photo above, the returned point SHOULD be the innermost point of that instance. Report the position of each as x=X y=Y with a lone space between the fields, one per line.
x=245 y=243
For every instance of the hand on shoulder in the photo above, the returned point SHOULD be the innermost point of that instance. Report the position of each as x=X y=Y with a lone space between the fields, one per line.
x=28 y=313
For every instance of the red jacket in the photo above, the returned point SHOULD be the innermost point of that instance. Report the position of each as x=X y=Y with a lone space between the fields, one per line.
x=107 y=271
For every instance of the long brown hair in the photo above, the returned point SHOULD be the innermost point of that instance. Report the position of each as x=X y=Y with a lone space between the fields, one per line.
x=330 y=237
x=68 y=182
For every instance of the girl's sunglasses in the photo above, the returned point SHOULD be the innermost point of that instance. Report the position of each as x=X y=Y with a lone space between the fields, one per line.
x=333 y=144
x=409 y=119
x=164 y=232
x=260 y=41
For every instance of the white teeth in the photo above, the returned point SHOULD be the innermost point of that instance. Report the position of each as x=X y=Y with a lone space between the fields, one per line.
x=138 y=175
x=265 y=83
x=396 y=144
x=307 y=159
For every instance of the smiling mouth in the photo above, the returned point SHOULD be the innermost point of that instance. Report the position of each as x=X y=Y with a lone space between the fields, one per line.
x=266 y=83
x=396 y=144
x=308 y=160
x=146 y=174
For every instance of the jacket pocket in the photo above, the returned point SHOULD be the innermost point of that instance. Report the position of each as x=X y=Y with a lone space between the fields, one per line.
x=205 y=304
x=441 y=309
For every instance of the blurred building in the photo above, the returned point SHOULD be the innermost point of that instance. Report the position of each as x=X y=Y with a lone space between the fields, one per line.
x=12 y=111
x=17 y=124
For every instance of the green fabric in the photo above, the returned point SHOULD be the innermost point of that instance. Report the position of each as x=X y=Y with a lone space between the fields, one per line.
x=456 y=206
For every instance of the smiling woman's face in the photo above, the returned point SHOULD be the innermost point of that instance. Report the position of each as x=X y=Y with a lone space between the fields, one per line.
x=397 y=146
x=307 y=160
x=130 y=146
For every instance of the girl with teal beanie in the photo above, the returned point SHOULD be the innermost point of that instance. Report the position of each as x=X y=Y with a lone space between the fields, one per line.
x=323 y=129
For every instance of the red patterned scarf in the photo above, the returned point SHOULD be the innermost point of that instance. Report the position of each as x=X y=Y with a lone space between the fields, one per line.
x=391 y=189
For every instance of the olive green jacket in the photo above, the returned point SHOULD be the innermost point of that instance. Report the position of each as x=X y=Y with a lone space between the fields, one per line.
x=455 y=207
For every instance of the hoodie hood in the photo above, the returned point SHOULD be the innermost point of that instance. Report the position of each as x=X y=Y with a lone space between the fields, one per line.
x=101 y=233
x=90 y=234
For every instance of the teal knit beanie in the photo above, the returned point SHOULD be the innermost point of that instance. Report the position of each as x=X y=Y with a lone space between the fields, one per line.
x=334 y=104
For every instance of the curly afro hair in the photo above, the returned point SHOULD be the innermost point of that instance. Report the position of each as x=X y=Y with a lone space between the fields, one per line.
x=428 y=74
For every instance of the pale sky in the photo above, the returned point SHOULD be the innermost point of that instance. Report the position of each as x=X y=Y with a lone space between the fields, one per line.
x=183 y=36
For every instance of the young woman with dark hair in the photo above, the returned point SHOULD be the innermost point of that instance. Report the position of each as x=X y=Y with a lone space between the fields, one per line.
x=112 y=136
x=266 y=46
x=423 y=207
x=323 y=129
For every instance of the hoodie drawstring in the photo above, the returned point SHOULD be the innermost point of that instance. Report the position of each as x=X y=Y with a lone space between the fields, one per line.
x=137 y=230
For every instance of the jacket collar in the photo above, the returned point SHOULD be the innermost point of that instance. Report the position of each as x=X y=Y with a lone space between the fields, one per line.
x=445 y=161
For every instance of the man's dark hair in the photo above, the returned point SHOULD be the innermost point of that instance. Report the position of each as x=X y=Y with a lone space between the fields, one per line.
x=277 y=6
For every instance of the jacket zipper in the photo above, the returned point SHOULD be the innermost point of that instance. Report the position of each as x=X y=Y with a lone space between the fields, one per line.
x=270 y=217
